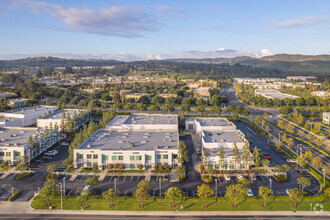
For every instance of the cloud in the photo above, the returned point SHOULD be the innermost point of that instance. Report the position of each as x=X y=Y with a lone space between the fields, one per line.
x=302 y=22
x=123 y=56
x=112 y=21
x=170 y=11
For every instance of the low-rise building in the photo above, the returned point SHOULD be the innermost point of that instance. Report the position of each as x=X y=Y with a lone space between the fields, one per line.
x=203 y=93
x=18 y=102
x=136 y=96
x=216 y=133
x=326 y=118
x=272 y=94
x=165 y=96
x=79 y=117
x=321 y=94
x=25 y=116
x=147 y=139
x=4 y=95
x=302 y=78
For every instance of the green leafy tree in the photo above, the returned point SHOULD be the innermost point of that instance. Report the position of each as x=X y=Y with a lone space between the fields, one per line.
x=317 y=162
x=174 y=194
x=296 y=196
x=244 y=182
x=200 y=109
x=204 y=192
x=258 y=119
x=265 y=163
x=51 y=168
x=92 y=181
x=110 y=195
x=235 y=153
x=265 y=192
x=83 y=197
x=221 y=157
x=182 y=153
x=142 y=195
x=236 y=193
x=49 y=191
x=144 y=184
x=256 y=157
x=246 y=157
x=303 y=182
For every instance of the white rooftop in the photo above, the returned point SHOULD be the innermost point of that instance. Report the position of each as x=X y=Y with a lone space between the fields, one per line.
x=58 y=114
x=28 y=110
x=14 y=137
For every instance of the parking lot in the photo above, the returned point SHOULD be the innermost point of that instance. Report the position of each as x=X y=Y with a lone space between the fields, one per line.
x=126 y=185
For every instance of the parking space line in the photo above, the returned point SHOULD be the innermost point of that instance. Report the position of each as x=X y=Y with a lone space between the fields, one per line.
x=131 y=179
x=124 y=178
x=138 y=179
x=12 y=176
x=111 y=177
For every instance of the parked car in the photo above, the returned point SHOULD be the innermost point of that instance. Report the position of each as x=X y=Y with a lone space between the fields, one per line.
x=253 y=177
x=198 y=151
x=302 y=169
x=65 y=144
x=288 y=192
x=227 y=177
x=166 y=177
x=52 y=153
x=291 y=160
x=48 y=154
x=239 y=177
x=249 y=192
x=86 y=189
x=266 y=156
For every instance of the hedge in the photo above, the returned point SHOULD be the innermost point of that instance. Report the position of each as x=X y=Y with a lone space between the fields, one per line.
x=14 y=196
x=24 y=175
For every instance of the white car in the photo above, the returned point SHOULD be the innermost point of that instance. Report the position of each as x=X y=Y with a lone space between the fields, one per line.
x=249 y=192
x=239 y=177
x=227 y=177
x=86 y=189
x=253 y=177
x=52 y=152
x=65 y=144
x=288 y=192
x=48 y=154
x=291 y=160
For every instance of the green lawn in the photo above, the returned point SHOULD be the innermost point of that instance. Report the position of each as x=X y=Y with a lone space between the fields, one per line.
x=190 y=204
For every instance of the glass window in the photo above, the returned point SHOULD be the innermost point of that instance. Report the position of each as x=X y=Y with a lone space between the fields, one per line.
x=95 y=156
x=17 y=154
x=95 y=164
x=120 y=157
x=231 y=166
x=217 y=166
x=159 y=156
x=165 y=156
x=138 y=157
x=8 y=154
x=89 y=164
x=165 y=164
x=148 y=157
x=89 y=156
x=210 y=166
x=132 y=157
x=132 y=166
x=225 y=166
x=2 y=153
x=159 y=164
x=243 y=166
x=114 y=157
x=105 y=157
x=80 y=156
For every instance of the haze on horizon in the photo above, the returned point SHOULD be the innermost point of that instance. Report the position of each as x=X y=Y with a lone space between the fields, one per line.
x=153 y=29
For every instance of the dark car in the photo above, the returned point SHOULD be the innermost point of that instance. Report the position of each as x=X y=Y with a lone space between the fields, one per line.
x=166 y=177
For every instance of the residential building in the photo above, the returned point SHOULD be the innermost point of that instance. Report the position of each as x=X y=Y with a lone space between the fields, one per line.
x=146 y=139
x=24 y=117
x=79 y=117
x=4 y=95
x=326 y=118
x=216 y=133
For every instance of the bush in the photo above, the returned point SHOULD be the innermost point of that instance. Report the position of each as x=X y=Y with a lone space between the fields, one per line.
x=155 y=167
x=14 y=196
x=24 y=175
x=52 y=176
x=4 y=163
x=161 y=168
x=110 y=166
x=207 y=179
x=281 y=177
x=95 y=168
x=140 y=166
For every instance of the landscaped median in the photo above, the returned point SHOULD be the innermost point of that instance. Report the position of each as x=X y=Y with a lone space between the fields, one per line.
x=189 y=204
x=24 y=175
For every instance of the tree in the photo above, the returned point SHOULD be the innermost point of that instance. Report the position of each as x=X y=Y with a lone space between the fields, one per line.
x=49 y=191
x=204 y=192
x=174 y=194
x=265 y=163
x=216 y=109
x=285 y=110
x=83 y=197
x=301 y=133
x=258 y=119
x=182 y=153
x=310 y=137
x=91 y=181
x=142 y=194
x=256 y=157
x=235 y=153
x=281 y=124
x=110 y=195
x=200 y=108
x=290 y=142
x=221 y=157
x=281 y=168
x=264 y=193
x=144 y=184
x=319 y=142
x=296 y=196
x=204 y=159
x=51 y=168
x=245 y=183
x=236 y=193
x=21 y=163
x=309 y=156
x=290 y=128
x=303 y=182
x=318 y=126
x=317 y=162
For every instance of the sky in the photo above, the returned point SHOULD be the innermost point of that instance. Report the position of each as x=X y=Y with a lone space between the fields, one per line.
x=158 y=29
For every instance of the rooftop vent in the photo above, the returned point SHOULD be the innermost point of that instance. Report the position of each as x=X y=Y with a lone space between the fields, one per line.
x=2 y=139
x=156 y=147
x=120 y=142
x=121 y=148
x=167 y=147
x=88 y=146
x=145 y=137
x=21 y=132
x=143 y=142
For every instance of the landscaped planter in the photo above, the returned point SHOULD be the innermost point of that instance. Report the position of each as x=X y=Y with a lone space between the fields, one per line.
x=182 y=178
x=281 y=178
x=207 y=179
x=49 y=177
x=24 y=175
x=14 y=196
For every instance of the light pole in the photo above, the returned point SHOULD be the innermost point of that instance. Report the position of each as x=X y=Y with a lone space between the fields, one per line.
x=64 y=185
x=279 y=137
x=270 y=183
x=29 y=150
x=12 y=191
x=298 y=147
x=216 y=187
x=323 y=178
x=115 y=180
x=160 y=187
x=61 y=196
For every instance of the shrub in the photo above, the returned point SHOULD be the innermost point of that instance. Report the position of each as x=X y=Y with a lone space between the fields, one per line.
x=140 y=166
x=121 y=166
x=14 y=196
x=4 y=163
x=95 y=168
x=155 y=167
x=24 y=175
x=161 y=168
x=110 y=166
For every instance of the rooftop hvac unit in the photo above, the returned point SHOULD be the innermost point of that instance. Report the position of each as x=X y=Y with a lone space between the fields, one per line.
x=156 y=147
x=88 y=146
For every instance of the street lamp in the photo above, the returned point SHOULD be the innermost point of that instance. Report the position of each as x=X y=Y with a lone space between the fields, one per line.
x=64 y=185
x=61 y=194
x=323 y=178
x=298 y=147
x=216 y=187
x=115 y=180
x=29 y=150
x=160 y=187
x=270 y=183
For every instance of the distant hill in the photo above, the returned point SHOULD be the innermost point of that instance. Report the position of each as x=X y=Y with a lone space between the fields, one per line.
x=296 y=57
x=54 y=62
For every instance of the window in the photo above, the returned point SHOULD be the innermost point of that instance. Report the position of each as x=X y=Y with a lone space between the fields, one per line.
x=190 y=127
x=225 y=166
x=165 y=156
x=159 y=156
x=159 y=164
x=113 y=157
x=95 y=164
x=138 y=157
x=8 y=154
x=89 y=156
x=105 y=157
x=17 y=154
x=210 y=166
x=132 y=157
x=132 y=166
x=80 y=156
x=120 y=157
x=165 y=164
x=242 y=166
x=2 y=154
x=174 y=156
x=148 y=157
x=89 y=164
x=231 y=166
x=95 y=156
x=217 y=166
